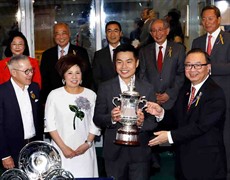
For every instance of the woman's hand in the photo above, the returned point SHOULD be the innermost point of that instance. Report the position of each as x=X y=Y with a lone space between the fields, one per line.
x=82 y=149
x=68 y=152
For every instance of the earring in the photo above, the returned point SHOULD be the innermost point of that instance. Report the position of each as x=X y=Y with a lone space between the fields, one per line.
x=80 y=82
x=63 y=81
x=210 y=72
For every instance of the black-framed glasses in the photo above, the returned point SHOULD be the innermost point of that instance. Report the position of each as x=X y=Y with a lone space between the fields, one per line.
x=195 y=66
x=27 y=71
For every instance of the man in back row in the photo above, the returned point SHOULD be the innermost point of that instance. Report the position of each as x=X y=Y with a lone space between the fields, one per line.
x=217 y=44
x=103 y=66
x=50 y=77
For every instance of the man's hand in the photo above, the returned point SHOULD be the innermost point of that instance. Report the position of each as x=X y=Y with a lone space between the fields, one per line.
x=140 y=118
x=8 y=163
x=161 y=137
x=116 y=114
x=162 y=98
x=154 y=109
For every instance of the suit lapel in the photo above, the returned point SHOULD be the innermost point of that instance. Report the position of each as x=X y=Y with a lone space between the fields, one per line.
x=108 y=57
x=152 y=53
x=217 y=44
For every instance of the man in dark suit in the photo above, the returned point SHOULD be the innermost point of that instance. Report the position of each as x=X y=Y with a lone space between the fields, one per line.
x=124 y=162
x=50 y=78
x=167 y=81
x=18 y=111
x=219 y=50
x=103 y=67
x=200 y=116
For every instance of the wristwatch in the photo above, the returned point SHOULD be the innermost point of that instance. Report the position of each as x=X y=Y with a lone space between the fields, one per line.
x=89 y=143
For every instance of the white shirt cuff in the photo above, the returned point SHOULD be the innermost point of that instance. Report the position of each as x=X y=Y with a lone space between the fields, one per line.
x=159 y=118
x=170 y=137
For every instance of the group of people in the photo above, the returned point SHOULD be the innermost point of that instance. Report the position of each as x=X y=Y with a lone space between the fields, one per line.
x=189 y=90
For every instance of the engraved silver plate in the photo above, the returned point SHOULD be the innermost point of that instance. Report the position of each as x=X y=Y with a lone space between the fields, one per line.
x=59 y=174
x=38 y=158
x=14 y=174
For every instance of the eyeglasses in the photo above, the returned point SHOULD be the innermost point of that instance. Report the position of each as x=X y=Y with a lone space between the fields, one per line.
x=27 y=71
x=196 y=66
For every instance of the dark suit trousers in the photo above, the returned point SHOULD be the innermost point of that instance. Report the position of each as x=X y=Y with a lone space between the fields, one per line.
x=126 y=168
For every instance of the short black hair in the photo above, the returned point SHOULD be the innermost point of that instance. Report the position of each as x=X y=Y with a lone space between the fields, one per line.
x=125 y=48
x=212 y=7
x=198 y=50
x=113 y=22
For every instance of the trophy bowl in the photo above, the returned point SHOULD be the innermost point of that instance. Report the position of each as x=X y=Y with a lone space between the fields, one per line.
x=14 y=174
x=129 y=103
x=59 y=174
x=38 y=158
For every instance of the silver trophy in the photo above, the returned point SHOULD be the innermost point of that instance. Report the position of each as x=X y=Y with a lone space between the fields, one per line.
x=129 y=100
x=38 y=158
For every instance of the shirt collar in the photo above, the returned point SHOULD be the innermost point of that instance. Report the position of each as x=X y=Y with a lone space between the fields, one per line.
x=164 y=44
x=198 y=86
x=17 y=87
x=66 y=49
x=215 y=33
x=123 y=85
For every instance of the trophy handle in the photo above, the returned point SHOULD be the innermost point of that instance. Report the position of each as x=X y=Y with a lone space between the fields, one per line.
x=144 y=101
x=115 y=99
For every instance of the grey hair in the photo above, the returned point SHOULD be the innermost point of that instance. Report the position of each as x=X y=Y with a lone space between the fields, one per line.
x=165 y=23
x=14 y=60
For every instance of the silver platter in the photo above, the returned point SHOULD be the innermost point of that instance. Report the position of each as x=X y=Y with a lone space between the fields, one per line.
x=37 y=159
x=14 y=174
x=59 y=174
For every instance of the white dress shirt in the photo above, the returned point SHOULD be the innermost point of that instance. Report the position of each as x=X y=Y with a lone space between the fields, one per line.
x=25 y=109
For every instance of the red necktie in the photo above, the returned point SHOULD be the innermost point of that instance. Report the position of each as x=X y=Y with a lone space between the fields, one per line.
x=160 y=59
x=191 y=98
x=209 y=47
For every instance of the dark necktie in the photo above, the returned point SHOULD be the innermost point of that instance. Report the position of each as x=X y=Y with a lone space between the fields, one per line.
x=191 y=98
x=209 y=47
x=160 y=59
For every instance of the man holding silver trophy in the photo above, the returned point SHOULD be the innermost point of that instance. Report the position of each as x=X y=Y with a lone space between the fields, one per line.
x=125 y=148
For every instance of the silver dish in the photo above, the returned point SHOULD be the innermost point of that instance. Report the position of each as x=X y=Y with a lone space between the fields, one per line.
x=59 y=174
x=14 y=174
x=38 y=158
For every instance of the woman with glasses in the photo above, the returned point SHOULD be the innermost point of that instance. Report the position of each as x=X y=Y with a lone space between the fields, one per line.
x=18 y=45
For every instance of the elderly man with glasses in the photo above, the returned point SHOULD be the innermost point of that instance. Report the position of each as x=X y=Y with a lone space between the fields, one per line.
x=19 y=122
x=200 y=114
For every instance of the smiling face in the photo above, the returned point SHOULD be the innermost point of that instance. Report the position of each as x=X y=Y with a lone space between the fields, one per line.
x=210 y=21
x=61 y=35
x=17 y=46
x=196 y=76
x=159 y=32
x=73 y=77
x=113 y=34
x=126 y=65
x=18 y=73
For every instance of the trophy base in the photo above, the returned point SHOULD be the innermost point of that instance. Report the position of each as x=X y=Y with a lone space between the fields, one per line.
x=127 y=135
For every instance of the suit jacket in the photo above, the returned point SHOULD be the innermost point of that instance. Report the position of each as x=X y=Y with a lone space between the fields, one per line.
x=171 y=79
x=50 y=77
x=220 y=61
x=199 y=136
x=102 y=118
x=103 y=66
x=11 y=126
